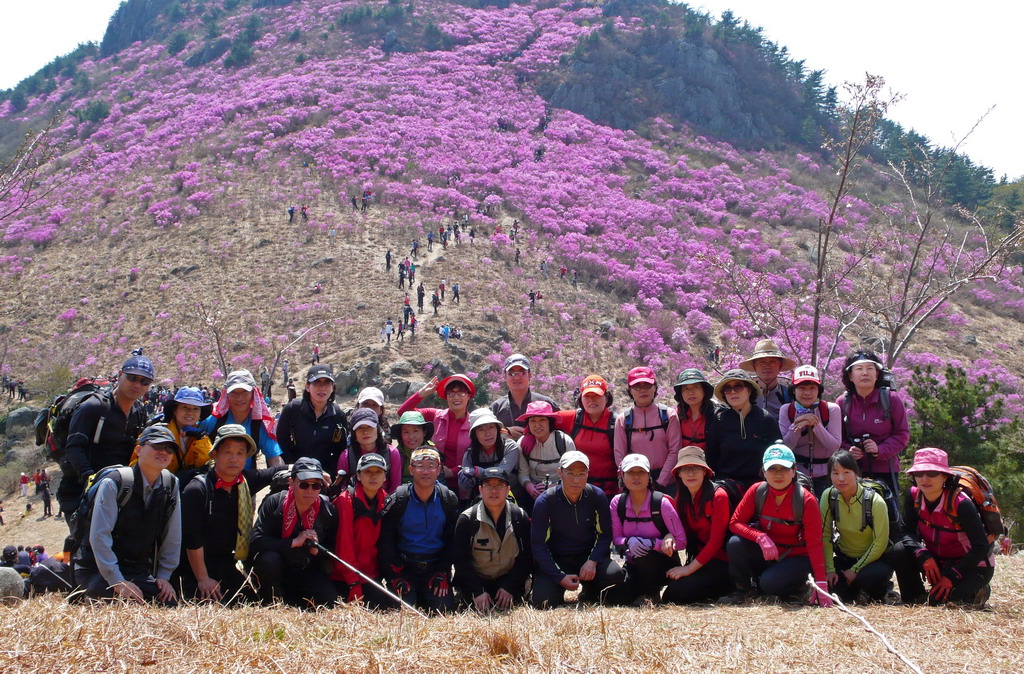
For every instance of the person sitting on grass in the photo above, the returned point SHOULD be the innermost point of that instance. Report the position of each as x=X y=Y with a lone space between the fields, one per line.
x=944 y=538
x=217 y=519
x=290 y=524
x=541 y=447
x=359 y=512
x=704 y=510
x=646 y=526
x=571 y=537
x=416 y=536
x=493 y=558
x=856 y=561
x=777 y=513
x=130 y=551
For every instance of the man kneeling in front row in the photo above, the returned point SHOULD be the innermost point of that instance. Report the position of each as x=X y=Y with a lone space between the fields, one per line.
x=492 y=547
x=572 y=538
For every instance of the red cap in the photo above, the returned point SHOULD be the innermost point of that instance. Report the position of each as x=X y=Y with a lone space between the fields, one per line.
x=641 y=375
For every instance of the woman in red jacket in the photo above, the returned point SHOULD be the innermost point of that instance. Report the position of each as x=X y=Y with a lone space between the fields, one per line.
x=778 y=535
x=704 y=511
x=694 y=395
x=592 y=429
x=359 y=511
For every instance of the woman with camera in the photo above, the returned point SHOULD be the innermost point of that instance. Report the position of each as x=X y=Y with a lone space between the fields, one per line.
x=875 y=427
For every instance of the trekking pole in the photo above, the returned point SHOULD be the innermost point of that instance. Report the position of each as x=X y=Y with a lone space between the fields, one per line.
x=362 y=575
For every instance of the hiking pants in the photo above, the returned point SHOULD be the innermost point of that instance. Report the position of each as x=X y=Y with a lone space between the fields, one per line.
x=422 y=596
x=295 y=586
x=608 y=586
x=645 y=576
x=912 y=590
x=97 y=587
x=707 y=583
x=873 y=578
x=782 y=578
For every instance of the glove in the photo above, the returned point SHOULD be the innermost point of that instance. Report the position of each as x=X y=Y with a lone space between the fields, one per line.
x=401 y=586
x=192 y=432
x=439 y=581
x=819 y=596
x=768 y=548
x=940 y=590
x=355 y=593
x=931 y=571
x=638 y=547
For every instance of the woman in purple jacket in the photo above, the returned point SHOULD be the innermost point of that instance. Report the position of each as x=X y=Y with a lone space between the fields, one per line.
x=875 y=427
x=646 y=526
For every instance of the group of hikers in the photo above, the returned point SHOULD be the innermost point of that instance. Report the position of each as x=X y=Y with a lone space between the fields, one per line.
x=743 y=488
x=14 y=387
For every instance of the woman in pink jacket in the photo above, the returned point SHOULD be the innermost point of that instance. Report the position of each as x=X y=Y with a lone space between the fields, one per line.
x=645 y=524
x=811 y=427
x=451 y=425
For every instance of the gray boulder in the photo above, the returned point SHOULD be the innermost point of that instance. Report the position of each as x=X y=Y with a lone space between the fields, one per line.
x=397 y=391
x=12 y=585
x=401 y=368
x=21 y=420
x=344 y=380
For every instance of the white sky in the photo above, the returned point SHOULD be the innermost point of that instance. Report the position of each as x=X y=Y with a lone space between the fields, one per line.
x=952 y=60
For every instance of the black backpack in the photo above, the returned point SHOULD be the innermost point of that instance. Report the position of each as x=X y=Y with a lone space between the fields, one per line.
x=663 y=425
x=801 y=483
x=872 y=489
x=124 y=478
x=52 y=423
x=659 y=520
x=577 y=426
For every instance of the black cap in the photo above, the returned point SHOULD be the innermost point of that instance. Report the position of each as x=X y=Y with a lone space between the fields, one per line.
x=319 y=372
x=307 y=469
x=494 y=473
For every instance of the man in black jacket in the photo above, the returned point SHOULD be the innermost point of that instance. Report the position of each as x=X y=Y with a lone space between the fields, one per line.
x=103 y=430
x=510 y=407
x=492 y=547
x=217 y=518
x=287 y=563
x=417 y=528
x=313 y=425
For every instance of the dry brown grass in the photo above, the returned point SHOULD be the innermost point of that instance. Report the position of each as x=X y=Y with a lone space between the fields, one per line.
x=45 y=634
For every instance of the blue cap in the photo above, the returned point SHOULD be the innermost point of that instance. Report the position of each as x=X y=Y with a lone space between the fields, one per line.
x=139 y=365
x=778 y=454
x=189 y=395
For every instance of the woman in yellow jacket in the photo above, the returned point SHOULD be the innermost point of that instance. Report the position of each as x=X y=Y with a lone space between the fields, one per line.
x=182 y=415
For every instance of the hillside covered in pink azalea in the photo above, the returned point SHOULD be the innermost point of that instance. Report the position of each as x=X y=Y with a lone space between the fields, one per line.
x=434 y=134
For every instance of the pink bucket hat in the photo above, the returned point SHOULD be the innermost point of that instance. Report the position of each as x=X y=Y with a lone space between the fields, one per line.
x=538 y=408
x=930 y=458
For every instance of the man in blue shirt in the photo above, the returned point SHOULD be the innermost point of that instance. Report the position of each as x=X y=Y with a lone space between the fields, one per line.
x=239 y=406
x=571 y=535
x=417 y=527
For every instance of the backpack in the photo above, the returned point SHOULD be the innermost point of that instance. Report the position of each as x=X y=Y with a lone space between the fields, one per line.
x=399 y=501
x=353 y=461
x=577 y=426
x=801 y=483
x=872 y=489
x=559 y=447
x=52 y=423
x=124 y=478
x=656 y=500
x=976 y=487
x=662 y=412
x=359 y=509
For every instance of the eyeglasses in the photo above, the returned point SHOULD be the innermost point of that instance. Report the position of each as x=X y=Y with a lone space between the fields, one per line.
x=456 y=392
x=642 y=387
x=315 y=486
x=733 y=388
x=516 y=373
x=929 y=473
x=136 y=379
x=424 y=464
x=575 y=475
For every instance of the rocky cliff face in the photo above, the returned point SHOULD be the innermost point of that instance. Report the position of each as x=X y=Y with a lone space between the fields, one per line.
x=134 y=21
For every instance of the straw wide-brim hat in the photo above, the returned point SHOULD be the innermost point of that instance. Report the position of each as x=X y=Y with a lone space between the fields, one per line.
x=766 y=348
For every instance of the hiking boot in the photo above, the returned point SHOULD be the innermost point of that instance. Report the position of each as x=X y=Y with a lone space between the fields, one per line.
x=737 y=597
x=891 y=598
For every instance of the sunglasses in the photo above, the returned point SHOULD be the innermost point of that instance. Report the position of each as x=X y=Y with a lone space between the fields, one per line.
x=733 y=388
x=164 y=447
x=930 y=473
x=315 y=486
x=136 y=379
